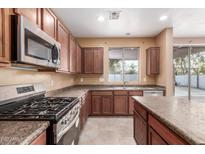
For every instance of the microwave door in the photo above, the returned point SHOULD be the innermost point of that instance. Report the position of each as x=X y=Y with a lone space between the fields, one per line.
x=37 y=49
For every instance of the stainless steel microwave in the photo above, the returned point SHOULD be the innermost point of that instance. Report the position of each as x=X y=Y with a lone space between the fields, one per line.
x=32 y=46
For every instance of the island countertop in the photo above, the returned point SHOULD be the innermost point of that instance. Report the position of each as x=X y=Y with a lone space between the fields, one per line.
x=185 y=117
x=21 y=132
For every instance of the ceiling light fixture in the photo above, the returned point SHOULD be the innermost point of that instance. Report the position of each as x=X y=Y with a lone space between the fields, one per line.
x=100 y=18
x=162 y=18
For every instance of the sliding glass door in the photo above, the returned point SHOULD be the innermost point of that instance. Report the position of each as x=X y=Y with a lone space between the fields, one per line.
x=189 y=80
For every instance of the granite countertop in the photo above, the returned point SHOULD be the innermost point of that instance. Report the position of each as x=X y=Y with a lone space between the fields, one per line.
x=79 y=90
x=20 y=132
x=186 y=118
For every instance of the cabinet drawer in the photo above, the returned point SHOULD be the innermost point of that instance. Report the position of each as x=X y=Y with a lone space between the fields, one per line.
x=136 y=93
x=139 y=109
x=169 y=136
x=102 y=93
x=120 y=92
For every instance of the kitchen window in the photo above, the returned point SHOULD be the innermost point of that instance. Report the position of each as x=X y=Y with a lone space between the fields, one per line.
x=123 y=64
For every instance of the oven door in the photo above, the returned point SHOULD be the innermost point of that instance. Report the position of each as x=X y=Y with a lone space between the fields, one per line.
x=71 y=137
x=35 y=46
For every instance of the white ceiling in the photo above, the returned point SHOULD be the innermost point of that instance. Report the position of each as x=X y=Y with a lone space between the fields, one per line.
x=82 y=22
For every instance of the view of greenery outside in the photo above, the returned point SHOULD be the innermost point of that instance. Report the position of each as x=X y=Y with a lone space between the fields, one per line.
x=197 y=65
x=116 y=69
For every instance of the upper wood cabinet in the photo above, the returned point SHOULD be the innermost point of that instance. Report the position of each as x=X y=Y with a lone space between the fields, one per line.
x=78 y=59
x=153 y=60
x=73 y=55
x=4 y=37
x=93 y=60
x=98 y=60
x=49 y=22
x=33 y=14
x=88 y=60
x=63 y=39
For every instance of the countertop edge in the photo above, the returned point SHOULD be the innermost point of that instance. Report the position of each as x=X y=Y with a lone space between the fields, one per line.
x=35 y=134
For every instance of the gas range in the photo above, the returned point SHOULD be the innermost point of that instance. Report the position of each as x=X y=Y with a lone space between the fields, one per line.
x=28 y=102
x=38 y=108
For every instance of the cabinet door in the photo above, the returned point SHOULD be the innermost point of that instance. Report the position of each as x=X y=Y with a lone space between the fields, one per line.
x=153 y=61
x=62 y=37
x=96 y=105
x=33 y=14
x=107 y=105
x=154 y=138
x=88 y=60
x=73 y=55
x=98 y=60
x=4 y=36
x=78 y=59
x=131 y=105
x=88 y=103
x=120 y=105
x=49 y=22
x=140 y=129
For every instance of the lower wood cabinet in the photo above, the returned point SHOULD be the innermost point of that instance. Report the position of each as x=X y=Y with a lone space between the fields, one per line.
x=154 y=138
x=150 y=130
x=140 y=129
x=121 y=105
x=40 y=140
x=102 y=103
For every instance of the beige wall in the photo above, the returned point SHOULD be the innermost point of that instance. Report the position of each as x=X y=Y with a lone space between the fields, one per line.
x=142 y=43
x=51 y=80
x=189 y=40
x=165 y=41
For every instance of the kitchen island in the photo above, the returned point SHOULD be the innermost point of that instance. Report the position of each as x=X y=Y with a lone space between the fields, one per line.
x=23 y=132
x=169 y=120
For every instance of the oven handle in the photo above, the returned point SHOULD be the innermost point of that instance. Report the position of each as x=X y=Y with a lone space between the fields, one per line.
x=61 y=133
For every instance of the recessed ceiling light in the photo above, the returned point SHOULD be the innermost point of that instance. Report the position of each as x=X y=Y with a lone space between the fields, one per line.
x=101 y=18
x=162 y=18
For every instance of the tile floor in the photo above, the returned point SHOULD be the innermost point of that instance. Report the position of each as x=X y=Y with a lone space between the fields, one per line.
x=107 y=131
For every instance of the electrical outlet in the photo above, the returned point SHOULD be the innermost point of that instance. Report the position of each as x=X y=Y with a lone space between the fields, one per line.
x=101 y=79
x=144 y=79
x=52 y=83
x=81 y=79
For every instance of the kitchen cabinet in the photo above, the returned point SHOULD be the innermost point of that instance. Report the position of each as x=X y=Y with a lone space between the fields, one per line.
x=98 y=60
x=140 y=129
x=49 y=22
x=131 y=101
x=153 y=61
x=150 y=130
x=33 y=14
x=121 y=105
x=121 y=102
x=73 y=54
x=154 y=138
x=92 y=60
x=78 y=59
x=88 y=60
x=4 y=37
x=102 y=103
x=40 y=140
x=62 y=37
x=96 y=105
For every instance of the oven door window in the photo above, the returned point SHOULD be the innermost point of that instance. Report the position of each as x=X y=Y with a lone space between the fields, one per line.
x=36 y=47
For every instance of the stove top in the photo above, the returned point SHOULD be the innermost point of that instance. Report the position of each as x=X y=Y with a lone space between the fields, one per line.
x=42 y=108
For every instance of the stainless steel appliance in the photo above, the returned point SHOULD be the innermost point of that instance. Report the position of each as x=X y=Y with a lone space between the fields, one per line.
x=153 y=93
x=32 y=46
x=28 y=102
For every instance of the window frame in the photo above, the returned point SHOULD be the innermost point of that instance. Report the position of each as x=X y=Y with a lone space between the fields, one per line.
x=123 y=63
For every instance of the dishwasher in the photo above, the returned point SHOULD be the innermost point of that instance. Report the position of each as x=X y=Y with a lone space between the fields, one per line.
x=153 y=93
